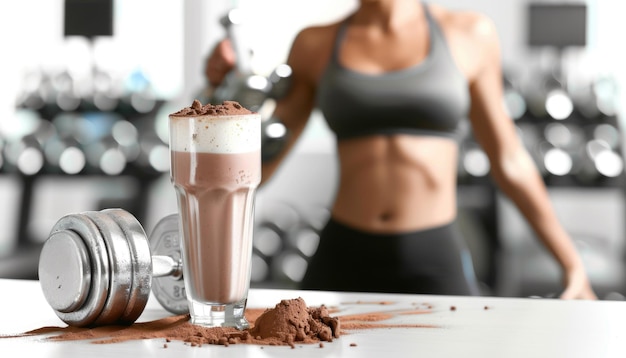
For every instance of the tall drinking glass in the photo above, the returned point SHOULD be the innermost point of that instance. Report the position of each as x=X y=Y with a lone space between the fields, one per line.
x=215 y=170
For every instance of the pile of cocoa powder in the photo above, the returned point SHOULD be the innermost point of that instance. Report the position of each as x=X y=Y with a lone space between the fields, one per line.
x=289 y=323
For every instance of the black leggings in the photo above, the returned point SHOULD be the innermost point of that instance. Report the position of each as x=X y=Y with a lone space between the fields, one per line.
x=432 y=261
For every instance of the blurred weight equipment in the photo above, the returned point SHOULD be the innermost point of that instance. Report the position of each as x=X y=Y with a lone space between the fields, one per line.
x=548 y=97
x=254 y=91
x=241 y=84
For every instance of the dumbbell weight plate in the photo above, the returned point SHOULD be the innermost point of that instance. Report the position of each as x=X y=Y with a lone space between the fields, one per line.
x=120 y=268
x=168 y=290
x=140 y=255
x=66 y=282
x=82 y=307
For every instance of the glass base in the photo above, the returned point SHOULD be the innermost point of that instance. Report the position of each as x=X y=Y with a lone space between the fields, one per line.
x=219 y=315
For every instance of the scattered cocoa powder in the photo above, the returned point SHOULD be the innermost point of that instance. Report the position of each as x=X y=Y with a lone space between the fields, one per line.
x=227 y=108
x=359 y=302
x=368 y=320
x=290 y=322
x=368 y=317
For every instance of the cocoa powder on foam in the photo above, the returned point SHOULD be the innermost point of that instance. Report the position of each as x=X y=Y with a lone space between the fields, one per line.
x=289 y=323
x=227 y=108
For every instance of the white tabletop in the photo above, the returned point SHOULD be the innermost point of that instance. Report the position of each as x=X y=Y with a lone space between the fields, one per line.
x=510 y=327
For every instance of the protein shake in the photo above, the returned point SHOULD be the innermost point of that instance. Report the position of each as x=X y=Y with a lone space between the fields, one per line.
x=215 y=169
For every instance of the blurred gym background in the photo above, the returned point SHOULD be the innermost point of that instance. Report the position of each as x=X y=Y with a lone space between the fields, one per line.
x=87 y=86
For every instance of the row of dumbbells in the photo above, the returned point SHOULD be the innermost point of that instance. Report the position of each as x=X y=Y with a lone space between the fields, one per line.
x=285 y=238
x=81 y=143
x=53 y=93
x=546 y=97
x=589 y=155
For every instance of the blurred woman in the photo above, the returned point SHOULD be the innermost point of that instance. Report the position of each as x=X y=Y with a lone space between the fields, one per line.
x=393 y=80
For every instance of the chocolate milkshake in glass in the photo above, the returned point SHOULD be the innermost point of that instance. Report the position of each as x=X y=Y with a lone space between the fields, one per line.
x=215 y=169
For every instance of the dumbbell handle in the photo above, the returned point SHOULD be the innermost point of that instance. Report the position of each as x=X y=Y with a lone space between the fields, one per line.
x=163 y=266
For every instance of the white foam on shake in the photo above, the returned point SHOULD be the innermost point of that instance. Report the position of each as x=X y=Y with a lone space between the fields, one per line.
x=216 y=134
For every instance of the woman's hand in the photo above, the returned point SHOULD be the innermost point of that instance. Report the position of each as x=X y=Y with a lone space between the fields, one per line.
x=577 y=286
x=220 y=62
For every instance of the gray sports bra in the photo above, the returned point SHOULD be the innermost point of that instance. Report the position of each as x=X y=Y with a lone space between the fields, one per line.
x=429 y=98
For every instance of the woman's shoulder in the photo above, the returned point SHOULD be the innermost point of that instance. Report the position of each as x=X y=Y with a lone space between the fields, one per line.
x=475 y=25
x=473 y=39
x=317 y=35
x=316 y=41
x=311 y=49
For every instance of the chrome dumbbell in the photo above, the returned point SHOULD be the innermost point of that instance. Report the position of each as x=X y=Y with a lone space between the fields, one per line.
x=99 y=267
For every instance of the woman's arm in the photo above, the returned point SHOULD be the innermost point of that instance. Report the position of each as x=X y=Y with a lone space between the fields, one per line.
x=294 y=109
x=511 y=165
